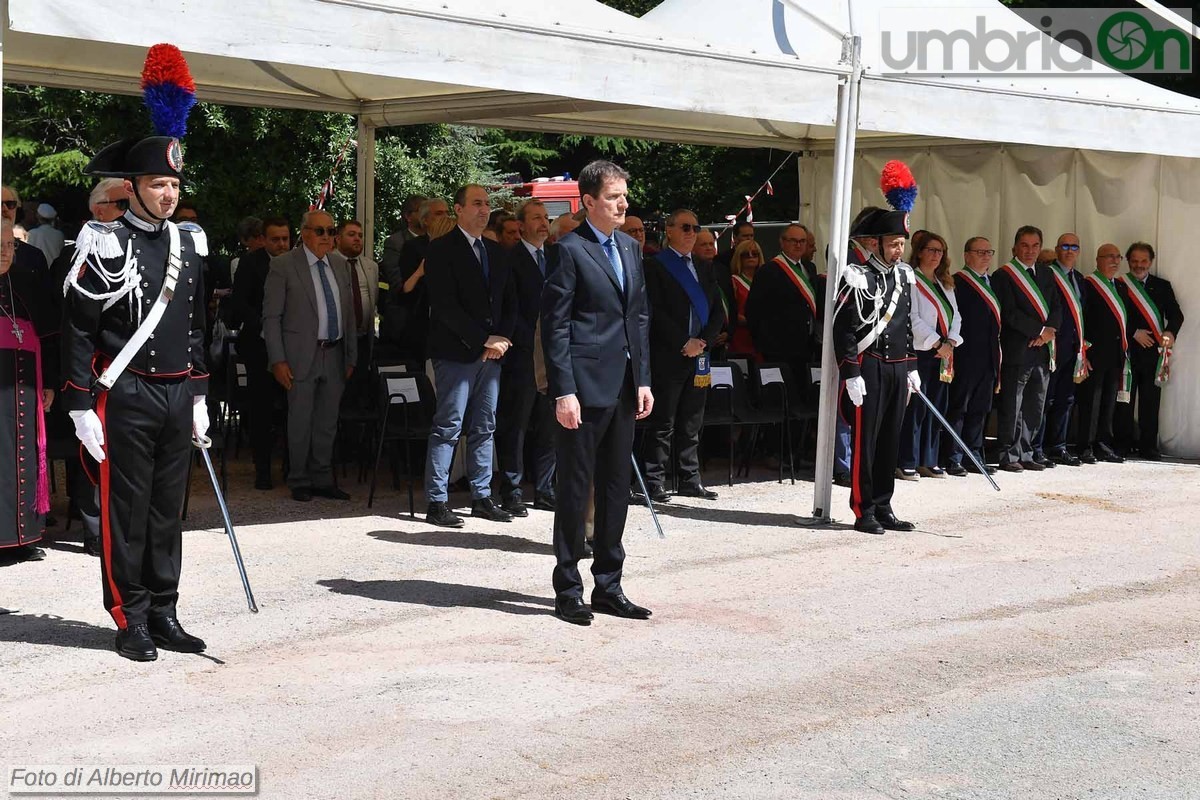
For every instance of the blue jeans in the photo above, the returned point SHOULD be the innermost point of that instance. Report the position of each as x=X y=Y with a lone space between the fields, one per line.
x=466 y=398
x=841 y=448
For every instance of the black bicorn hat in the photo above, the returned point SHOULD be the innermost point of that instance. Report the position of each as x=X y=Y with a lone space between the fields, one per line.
x=882 y=222
x=129 y=158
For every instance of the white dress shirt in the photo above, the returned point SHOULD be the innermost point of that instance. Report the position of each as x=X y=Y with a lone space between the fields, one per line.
x=322 y=312
x=924 y=317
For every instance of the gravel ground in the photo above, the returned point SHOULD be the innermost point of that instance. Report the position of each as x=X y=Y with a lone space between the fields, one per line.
x=1036 y=643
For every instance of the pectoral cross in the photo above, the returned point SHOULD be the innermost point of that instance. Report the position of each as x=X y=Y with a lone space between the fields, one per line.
x=17 y=332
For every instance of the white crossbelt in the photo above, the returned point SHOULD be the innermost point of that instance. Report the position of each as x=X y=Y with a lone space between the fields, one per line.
x=150 y=322
x=874 y=333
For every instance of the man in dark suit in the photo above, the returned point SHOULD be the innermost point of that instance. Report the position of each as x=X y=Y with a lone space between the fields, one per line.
x=1050 y=445
x=403 y=302
x=783 y=307
x=1031 y=314
x=522 y=409
x=410 y=228
x=472 y=313
x=977 y=359
x=595 y=334
x=308 y=327
x=1154 y=320
x=685 y=316
x=1106 y=320
x=246 y=310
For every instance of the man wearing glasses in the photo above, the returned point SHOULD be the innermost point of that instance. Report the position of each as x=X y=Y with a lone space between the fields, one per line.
x=977 y=359
x=27 y=256
x=1031 y=314
x=1106 y=306
x=784 y=304
x=312 y=347
x=1050 y=445
x=686 y=317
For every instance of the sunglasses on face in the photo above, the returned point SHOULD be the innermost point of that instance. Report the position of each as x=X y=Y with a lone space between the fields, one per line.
x=689 y=228
x=1070 y=248
x=9 y=204
x=319 y=231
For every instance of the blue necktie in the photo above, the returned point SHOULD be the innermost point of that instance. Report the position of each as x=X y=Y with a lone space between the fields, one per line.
x=610 y=250
x=541 y=259
x=331 y=314
x=481 y=253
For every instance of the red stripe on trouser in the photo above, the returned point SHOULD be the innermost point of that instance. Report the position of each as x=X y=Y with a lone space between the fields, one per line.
x=115 y=610
x=855 y=468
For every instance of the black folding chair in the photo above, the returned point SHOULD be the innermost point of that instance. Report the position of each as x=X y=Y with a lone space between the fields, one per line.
x=774 y=382
x=406 y=406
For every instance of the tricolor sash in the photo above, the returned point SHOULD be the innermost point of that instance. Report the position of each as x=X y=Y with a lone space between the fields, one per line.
x=799 y=277
x=1157 y=323
x=740 y=282
x=1075 y=305
x=945 y=314
x=991 y=301
x=1033 y=294
x=1108 y=291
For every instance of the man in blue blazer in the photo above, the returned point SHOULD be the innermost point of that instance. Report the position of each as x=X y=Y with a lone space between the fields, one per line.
x=595 y=334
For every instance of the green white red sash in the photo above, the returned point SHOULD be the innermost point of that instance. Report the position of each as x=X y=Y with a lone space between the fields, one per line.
x=990 y=300
x=799 y=277
x=1108 y=291
x=1033 y=294
x=945 y=314
x=740 y=282
x=1154 y=318
x=1075 y=306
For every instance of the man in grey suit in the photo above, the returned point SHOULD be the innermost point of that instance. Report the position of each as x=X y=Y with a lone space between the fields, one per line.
x=308 y=325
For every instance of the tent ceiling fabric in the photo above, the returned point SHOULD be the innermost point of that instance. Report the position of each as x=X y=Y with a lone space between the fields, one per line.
x=1111 y=111
x=399 y=62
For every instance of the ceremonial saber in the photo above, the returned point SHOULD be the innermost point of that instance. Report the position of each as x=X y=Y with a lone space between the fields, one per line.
x=202 y=443
x=950 y=430
x=646 y=494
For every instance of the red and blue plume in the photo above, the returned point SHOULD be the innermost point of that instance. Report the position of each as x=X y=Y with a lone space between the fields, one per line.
x=168 y=90
x=898 y=186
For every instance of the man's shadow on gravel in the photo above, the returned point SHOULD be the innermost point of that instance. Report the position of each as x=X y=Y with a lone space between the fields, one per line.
x=466 y=540
x=52 y=630
x=770 y=519
x=440 y=595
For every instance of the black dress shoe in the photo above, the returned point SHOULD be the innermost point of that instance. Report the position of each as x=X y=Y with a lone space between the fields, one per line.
x=91 y=545
x=1032 y=466
x=1065 y=458
x=168 y=634
x=302 y=494
x=1151 y=455
x=1086 y=456
x=891 y=523
x=486 y=509
x=331 y=492
x=867 y=524
x=573 y=610
x=587 y=549
x=262 y=481
x=544 y=502
x=618 y=605
x=439 y=514
x=1011 y=466
x=956 y=471
x=515 y=505
x=1040 y=458
x=660 y=495
x=969 y=466
x=136 y=644
x=696 y=490
x=841 y=479
x=1105 y=453
x=32 y=553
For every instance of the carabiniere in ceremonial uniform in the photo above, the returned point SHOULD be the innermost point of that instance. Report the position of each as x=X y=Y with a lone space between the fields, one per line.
x=873 y=342
x=133 y=362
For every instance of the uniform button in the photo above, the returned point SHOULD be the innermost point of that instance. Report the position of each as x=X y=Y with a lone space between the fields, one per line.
x=152 y=352
x=133 y=236
x=152 y=336
x=189 y=366
x=186 y=264
x=152 y=369
x=189 y=298
x=137 y=252
x=141 y=269
x=145 y=284
x=189 y=280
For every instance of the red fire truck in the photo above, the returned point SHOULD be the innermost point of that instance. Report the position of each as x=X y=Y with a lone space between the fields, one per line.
x=560 y=194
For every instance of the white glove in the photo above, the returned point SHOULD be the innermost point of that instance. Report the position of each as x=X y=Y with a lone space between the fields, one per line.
x=914 y=381
x=89 y=431
x=856 y=388
x=199 y=416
